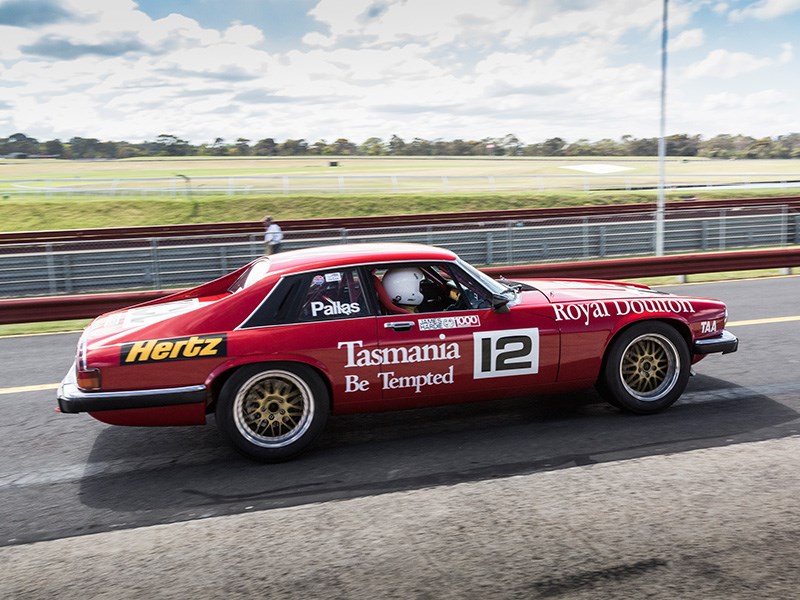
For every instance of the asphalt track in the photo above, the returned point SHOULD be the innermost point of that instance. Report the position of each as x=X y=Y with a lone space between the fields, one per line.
x=546 y=497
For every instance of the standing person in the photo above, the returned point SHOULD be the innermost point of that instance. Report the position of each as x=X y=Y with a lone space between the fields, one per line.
x=273 y=236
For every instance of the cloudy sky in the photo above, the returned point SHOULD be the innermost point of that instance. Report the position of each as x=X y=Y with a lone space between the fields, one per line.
x=323 y=69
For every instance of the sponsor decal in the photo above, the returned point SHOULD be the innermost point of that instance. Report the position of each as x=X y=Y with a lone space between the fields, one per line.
x=184 y=348
x=331 y=308
x=585 y=312
x=506 y=353
x=449 y=322
x=318 y=280
x=331 y=277
x=358 y=356
x=398 y=355
x=708 y=326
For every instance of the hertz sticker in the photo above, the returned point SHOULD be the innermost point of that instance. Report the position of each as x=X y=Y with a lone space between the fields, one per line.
x=196 y=346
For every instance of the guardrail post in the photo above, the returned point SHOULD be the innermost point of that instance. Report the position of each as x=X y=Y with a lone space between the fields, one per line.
x=510 y=243
x=394 y=183
x=52 y=283
x=285 y=184
x=444 y=183
x=429 y=238
x=341 y=183
x=784 y=225
x=489 y=247
x=343 y=235
x=155 y=262
x=223 y=259
x=602 y=241
x=585 y=237
x=704 y=234
x=797 y=229
x=492 y=185
x=722 y=228
x=256 y=249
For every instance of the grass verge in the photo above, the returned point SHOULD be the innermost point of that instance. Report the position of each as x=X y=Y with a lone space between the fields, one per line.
x=47 y=213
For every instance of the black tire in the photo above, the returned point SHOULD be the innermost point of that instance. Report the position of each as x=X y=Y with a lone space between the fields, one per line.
x=646 y=368
x=272 y=411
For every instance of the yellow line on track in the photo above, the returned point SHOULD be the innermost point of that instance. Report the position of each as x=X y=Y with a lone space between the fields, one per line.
x=53 y=386
x=763 y=321
x=29 y=388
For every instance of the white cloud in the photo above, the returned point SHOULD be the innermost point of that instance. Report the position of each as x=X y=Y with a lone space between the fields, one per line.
x=725 y=64
x=691 y=38
x=765 y=10
x=444 y=69
x=721 y=8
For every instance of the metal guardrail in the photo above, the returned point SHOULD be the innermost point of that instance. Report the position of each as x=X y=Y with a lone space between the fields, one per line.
x=88 y=306
x=157 y=263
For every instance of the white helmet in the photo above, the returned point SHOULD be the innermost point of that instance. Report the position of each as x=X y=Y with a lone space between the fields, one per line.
x=402 y=285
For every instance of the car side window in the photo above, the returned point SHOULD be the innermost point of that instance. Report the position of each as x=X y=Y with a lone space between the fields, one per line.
x=430 y=288
x=337 y=294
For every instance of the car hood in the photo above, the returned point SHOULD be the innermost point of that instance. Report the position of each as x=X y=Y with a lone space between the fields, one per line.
x=578 y=290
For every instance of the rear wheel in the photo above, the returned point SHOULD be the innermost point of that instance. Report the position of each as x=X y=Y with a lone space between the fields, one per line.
x=271 y=412
x=646 y=369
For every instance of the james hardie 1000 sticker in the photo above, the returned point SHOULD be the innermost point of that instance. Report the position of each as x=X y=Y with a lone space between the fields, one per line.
x=506 y=353
x=449 y=322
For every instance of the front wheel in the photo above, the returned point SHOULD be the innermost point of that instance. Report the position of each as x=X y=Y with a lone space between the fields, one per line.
x=271 y=412
x=646 y=369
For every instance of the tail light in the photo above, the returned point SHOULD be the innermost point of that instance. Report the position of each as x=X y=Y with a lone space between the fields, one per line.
x=88 y=379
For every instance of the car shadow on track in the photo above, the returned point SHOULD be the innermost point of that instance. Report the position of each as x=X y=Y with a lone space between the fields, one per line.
x=190 y=472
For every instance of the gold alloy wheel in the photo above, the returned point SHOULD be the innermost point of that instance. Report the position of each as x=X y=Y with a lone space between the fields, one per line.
x=274 y=408
x=650 y=367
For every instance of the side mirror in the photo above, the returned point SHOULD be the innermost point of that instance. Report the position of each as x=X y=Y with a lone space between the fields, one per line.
x=500 y=303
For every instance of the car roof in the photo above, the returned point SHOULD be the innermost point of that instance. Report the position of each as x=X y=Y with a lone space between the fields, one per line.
x=325 y=257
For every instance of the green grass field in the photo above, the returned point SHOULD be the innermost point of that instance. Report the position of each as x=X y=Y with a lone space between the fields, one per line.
x=122 y=193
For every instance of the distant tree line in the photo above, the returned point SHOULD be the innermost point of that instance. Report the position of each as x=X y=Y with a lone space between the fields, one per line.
x=720 y=146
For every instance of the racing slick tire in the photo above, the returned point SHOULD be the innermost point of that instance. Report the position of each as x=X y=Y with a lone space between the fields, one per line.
x=272 y=411
x=646 y=369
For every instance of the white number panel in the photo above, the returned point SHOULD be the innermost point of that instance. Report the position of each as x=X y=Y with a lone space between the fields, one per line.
x=506 y=353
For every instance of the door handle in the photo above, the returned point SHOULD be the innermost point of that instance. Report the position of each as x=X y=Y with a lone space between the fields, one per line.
x=399 y=325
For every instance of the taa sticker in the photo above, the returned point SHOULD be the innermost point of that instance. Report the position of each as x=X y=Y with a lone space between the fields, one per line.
x=449 y=322
x=708 y=326
x=197 y=346
x=506 y=353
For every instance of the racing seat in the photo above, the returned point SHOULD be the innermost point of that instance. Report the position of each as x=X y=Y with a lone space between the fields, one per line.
x=385 y=300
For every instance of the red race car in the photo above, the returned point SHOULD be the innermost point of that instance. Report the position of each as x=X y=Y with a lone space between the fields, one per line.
x=276 y=346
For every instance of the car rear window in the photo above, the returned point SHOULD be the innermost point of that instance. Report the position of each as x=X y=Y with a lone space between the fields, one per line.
x=257 y=271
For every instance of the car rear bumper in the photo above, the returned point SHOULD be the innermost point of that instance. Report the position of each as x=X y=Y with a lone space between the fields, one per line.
x=726 y=343
x=71 y=399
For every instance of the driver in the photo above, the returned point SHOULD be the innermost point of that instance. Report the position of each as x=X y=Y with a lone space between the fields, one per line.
x=403 y=287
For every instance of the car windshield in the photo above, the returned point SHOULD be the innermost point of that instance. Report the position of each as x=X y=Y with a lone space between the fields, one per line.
x=254 y=273
x=494 y=286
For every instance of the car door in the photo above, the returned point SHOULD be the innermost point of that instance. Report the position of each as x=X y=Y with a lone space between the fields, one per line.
x=467 y=351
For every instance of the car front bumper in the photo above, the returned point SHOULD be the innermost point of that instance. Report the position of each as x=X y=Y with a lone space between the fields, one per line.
x=71 y=399
x=726 y=343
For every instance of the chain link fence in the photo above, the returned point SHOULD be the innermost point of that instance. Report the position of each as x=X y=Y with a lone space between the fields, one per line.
x=162 y=263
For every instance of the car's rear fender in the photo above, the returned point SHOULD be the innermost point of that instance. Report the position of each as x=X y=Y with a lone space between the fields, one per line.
x=221 y=374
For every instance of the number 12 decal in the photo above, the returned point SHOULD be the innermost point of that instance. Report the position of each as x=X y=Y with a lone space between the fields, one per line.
x=506 y=353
